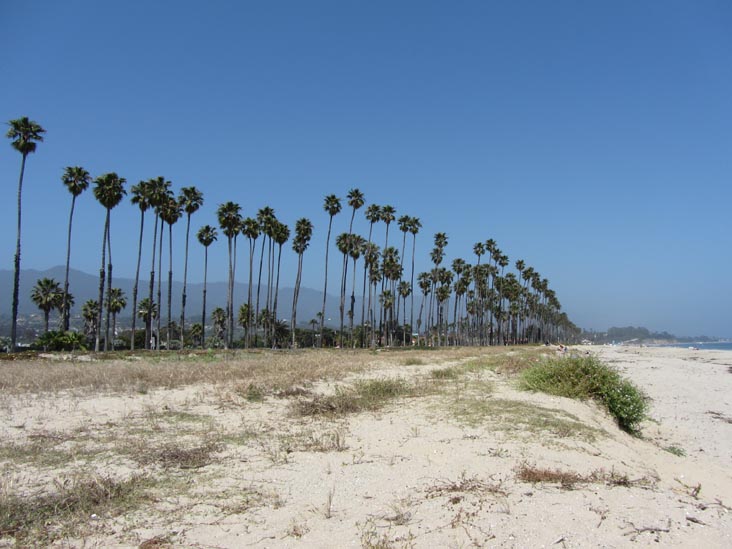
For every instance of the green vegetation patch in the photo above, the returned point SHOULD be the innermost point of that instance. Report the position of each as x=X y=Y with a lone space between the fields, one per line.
x=517 y=416
x=585 y=378
x=39 y=520
x=363 y=396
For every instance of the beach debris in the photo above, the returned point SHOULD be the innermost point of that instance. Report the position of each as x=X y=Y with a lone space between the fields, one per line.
x=720 y=416
x=636 y=531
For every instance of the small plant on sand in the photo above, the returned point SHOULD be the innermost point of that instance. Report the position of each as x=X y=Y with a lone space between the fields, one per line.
x=39 y=520
x=364 y=396
x=444 y=373
x=588 y=378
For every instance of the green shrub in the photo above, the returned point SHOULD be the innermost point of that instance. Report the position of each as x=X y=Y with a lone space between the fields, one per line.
x=588 y=378
x=60 y=341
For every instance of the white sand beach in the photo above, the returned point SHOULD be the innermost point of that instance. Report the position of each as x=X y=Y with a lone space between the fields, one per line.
x=448 y=467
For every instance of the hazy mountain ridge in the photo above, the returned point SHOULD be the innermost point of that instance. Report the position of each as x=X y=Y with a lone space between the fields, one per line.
x=84 y=286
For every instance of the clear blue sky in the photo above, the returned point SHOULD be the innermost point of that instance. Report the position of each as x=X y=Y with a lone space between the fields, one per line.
x=593 y=140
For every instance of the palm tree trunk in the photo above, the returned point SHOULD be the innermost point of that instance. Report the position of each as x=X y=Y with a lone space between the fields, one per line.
x=203 y=312
x=109 y=288
x=295 y=295
x=160 y=279
x=46 y=314
x=411 y=314
x=170 y=279
x=325 y=286
x=252 y=250
x=65 y=304
x=149 y=320
x=228 y=293
x=343 y=298
x=100 y=300
x=277 y=283
x=137 y=280
x=231 y=304
x=259 y=285
x=185 y=283
x=16 y=274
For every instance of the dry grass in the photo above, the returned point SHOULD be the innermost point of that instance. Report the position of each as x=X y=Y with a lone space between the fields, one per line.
x=570 y=479
x=263 y=371
x=363 y=396
x=39 y=520
x=466 y=484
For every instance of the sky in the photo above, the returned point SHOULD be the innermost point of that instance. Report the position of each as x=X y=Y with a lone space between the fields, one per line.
x=593 y=140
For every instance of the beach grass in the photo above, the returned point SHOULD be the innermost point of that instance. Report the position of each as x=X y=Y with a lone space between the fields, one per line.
x=585 y=378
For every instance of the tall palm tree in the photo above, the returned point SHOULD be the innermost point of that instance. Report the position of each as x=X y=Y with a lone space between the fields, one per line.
x=230 y=222
x=281 y=236
x=159 y=194
x=140 y=198
x=147 y=310
x=47 y=295
x=373 y=215
x=90 y=314
x=190 y=199
x=343 y=243
x=206 y=236
x=77 y=180
x=250 y=228
x=170 y=214
x=358 y=246
x=332 y=205
x=355 y=201
x=116 y=301
x=303 y=233
x=414 y=226
x=25 y=134
x=219 y=321
x=266 y=220
x=109 y=190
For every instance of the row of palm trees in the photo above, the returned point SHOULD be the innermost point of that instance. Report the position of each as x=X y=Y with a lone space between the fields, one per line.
x=489 y=305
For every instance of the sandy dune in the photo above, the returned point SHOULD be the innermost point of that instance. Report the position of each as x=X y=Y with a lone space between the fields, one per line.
x=438 y=468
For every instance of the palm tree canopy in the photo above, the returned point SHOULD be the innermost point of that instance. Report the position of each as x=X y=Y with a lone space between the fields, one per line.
x=190 y=199
x=388 y=214
x=170 y=211
x=109 y=189
x=332 y=204
x=25 y=133
x=76 y=179
x=415 y=225
x=250 y=228
x=303 y=234
x=207 y=235
x=116 y=301
x=141 y=195
x=229 y=218
x=373 y=213
x=355 y=199
x=281 y=233
x=159 y=191
x=47 y=294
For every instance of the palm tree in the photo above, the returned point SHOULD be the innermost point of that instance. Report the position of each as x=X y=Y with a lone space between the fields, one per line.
x=358 y=246
x=170 y=214
x=206 y=236
x=116 y=301
x=24 y=133
x=388 y=214
x=281 y=236
x=196 y=333
x=77 y=180
x=414 y=226
x=219 y=321
x=303 y=233
x=141 y=198
x=109 y=190
x=90 y=314
x=191 y=199
x=230 y=222
x=373 y=215
x=47 y=295
x=159 y=194
x=332 y=205
x=250 y=229
x=147 y=310
x=355 y=201
x=266 y=220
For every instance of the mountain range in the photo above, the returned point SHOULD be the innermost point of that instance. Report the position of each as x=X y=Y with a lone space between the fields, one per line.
x=84 y=286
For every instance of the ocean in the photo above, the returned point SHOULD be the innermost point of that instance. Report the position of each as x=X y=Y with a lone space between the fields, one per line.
x=715 y=346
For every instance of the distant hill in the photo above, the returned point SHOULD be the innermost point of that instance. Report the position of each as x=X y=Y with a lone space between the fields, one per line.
x=85 y=286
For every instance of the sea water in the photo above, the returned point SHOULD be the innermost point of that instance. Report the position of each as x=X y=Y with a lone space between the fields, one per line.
x=712 y=346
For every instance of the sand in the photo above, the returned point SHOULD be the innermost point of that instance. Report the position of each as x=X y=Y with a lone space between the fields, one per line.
x=436 y=470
